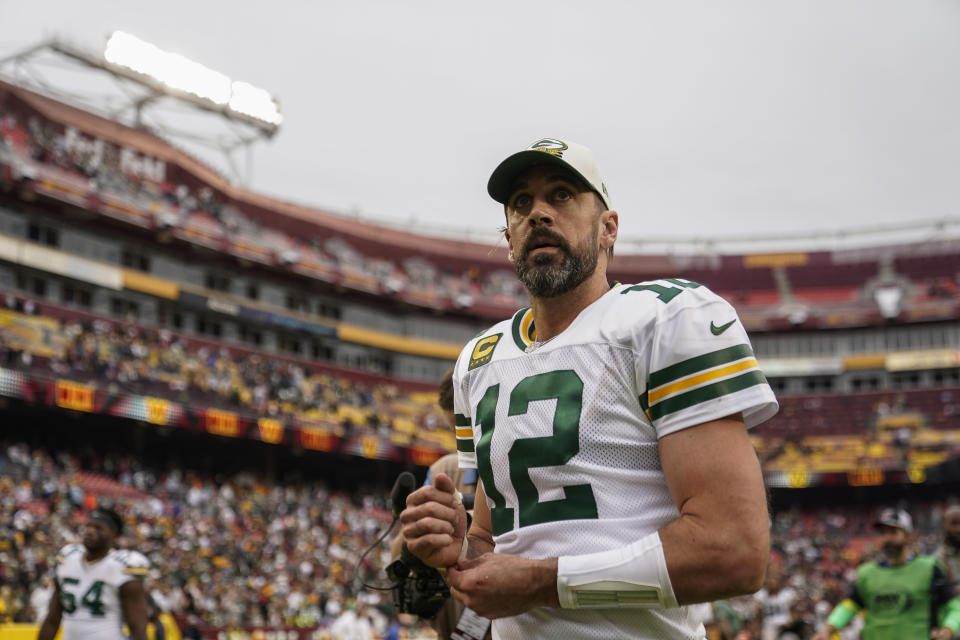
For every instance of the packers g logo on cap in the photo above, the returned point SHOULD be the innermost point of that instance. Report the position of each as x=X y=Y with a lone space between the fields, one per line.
x=550 y=145
x=483 y=351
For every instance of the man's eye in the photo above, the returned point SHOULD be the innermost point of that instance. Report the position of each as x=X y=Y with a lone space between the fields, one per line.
x=521 y=201
x=562 y=194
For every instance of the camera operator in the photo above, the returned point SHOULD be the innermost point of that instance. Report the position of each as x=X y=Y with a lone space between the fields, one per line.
x=453 y=620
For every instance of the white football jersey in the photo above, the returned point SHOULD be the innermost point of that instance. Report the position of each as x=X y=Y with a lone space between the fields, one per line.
x=90 y=592
x=776 y=609
x=564 y=433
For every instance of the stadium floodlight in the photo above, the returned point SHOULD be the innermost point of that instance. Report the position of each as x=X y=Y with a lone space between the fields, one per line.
x=182 y=74
x=172 y=69
x=255 y=102
x=246 y=113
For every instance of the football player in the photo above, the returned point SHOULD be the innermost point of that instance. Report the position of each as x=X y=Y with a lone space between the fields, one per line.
x=775 y=601
x=97 y=587
x=608 y=424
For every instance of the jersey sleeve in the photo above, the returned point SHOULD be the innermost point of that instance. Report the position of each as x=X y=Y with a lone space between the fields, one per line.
x=850 y=606
x=132 y=565
x=463 y=418
x=699 y=366
x=67 y=551
x=62 y=556
x=843 y=613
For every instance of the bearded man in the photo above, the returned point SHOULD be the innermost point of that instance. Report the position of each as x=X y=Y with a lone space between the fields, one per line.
x=608 y=425
x=904 y=597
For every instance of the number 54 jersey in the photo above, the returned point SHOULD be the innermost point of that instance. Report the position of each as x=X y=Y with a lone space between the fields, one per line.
x=90 y=592
x=564 y=433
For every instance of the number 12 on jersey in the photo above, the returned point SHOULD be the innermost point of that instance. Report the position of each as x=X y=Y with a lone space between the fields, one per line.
x=566 y=387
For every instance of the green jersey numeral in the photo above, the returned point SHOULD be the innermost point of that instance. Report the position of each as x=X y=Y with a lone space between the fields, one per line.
x=501 y=516
x=91 y=599
x=578 y=502
x=664 y=294
x=67 y=599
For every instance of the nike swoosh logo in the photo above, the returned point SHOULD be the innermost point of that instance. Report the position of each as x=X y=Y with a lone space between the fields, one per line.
x=715 y=330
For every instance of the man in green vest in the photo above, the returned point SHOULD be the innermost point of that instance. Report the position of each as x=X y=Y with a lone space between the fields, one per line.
x=904 y=597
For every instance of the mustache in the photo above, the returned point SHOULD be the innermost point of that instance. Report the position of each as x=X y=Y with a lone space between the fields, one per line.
x=543 y=233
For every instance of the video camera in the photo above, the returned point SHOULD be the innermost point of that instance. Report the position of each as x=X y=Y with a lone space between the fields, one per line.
x=418 y=588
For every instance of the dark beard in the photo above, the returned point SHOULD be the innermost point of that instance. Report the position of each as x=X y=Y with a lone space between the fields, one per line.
x=892 y=550
x=546 y=278
x=952 y=540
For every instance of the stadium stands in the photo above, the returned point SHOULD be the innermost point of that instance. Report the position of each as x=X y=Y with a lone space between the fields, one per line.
x=224 y=552
x=139 y=288
x=283 y=553
x=172 y=192
x=125 y=359
x=128 y=180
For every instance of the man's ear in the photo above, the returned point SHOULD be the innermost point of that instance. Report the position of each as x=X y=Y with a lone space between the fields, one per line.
x=510 y=256
x=609 y=227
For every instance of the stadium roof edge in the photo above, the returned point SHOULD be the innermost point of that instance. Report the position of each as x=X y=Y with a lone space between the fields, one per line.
x=393 y=234
x=147 y=142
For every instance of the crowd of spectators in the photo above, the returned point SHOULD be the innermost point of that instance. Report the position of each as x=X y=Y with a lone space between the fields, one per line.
x=120 y=357
x=907 y=429
x=103 y=166
x=226 y=552
x=246 y=550
x=143 y=182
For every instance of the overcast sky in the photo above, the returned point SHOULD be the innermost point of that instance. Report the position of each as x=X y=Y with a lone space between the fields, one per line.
x=707 y=118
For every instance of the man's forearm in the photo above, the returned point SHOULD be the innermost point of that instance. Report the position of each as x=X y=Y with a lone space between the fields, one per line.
x=710 y=562
x=48 y=630
x=719 y=546
x=138 y=625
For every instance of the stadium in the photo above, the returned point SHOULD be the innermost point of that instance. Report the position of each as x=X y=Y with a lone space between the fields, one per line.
x=244 y=378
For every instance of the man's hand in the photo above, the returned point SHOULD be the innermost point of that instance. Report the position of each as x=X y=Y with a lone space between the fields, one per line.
x=943 y=633
x=823 y=634
x=435 y=523
x=500 y=585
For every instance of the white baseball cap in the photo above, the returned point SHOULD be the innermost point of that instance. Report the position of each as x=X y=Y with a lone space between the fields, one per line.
x=548 y=151
x=896 y=518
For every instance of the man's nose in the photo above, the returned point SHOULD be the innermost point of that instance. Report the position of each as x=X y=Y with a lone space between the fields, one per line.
x=541 y=213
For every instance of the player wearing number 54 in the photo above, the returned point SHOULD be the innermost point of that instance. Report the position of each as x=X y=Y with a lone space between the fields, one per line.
x=97 y=587
x=608 y=424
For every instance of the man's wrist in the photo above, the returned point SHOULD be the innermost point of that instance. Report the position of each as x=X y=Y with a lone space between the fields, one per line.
x=631 y=576
x=477 y=546
x=546 y=577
